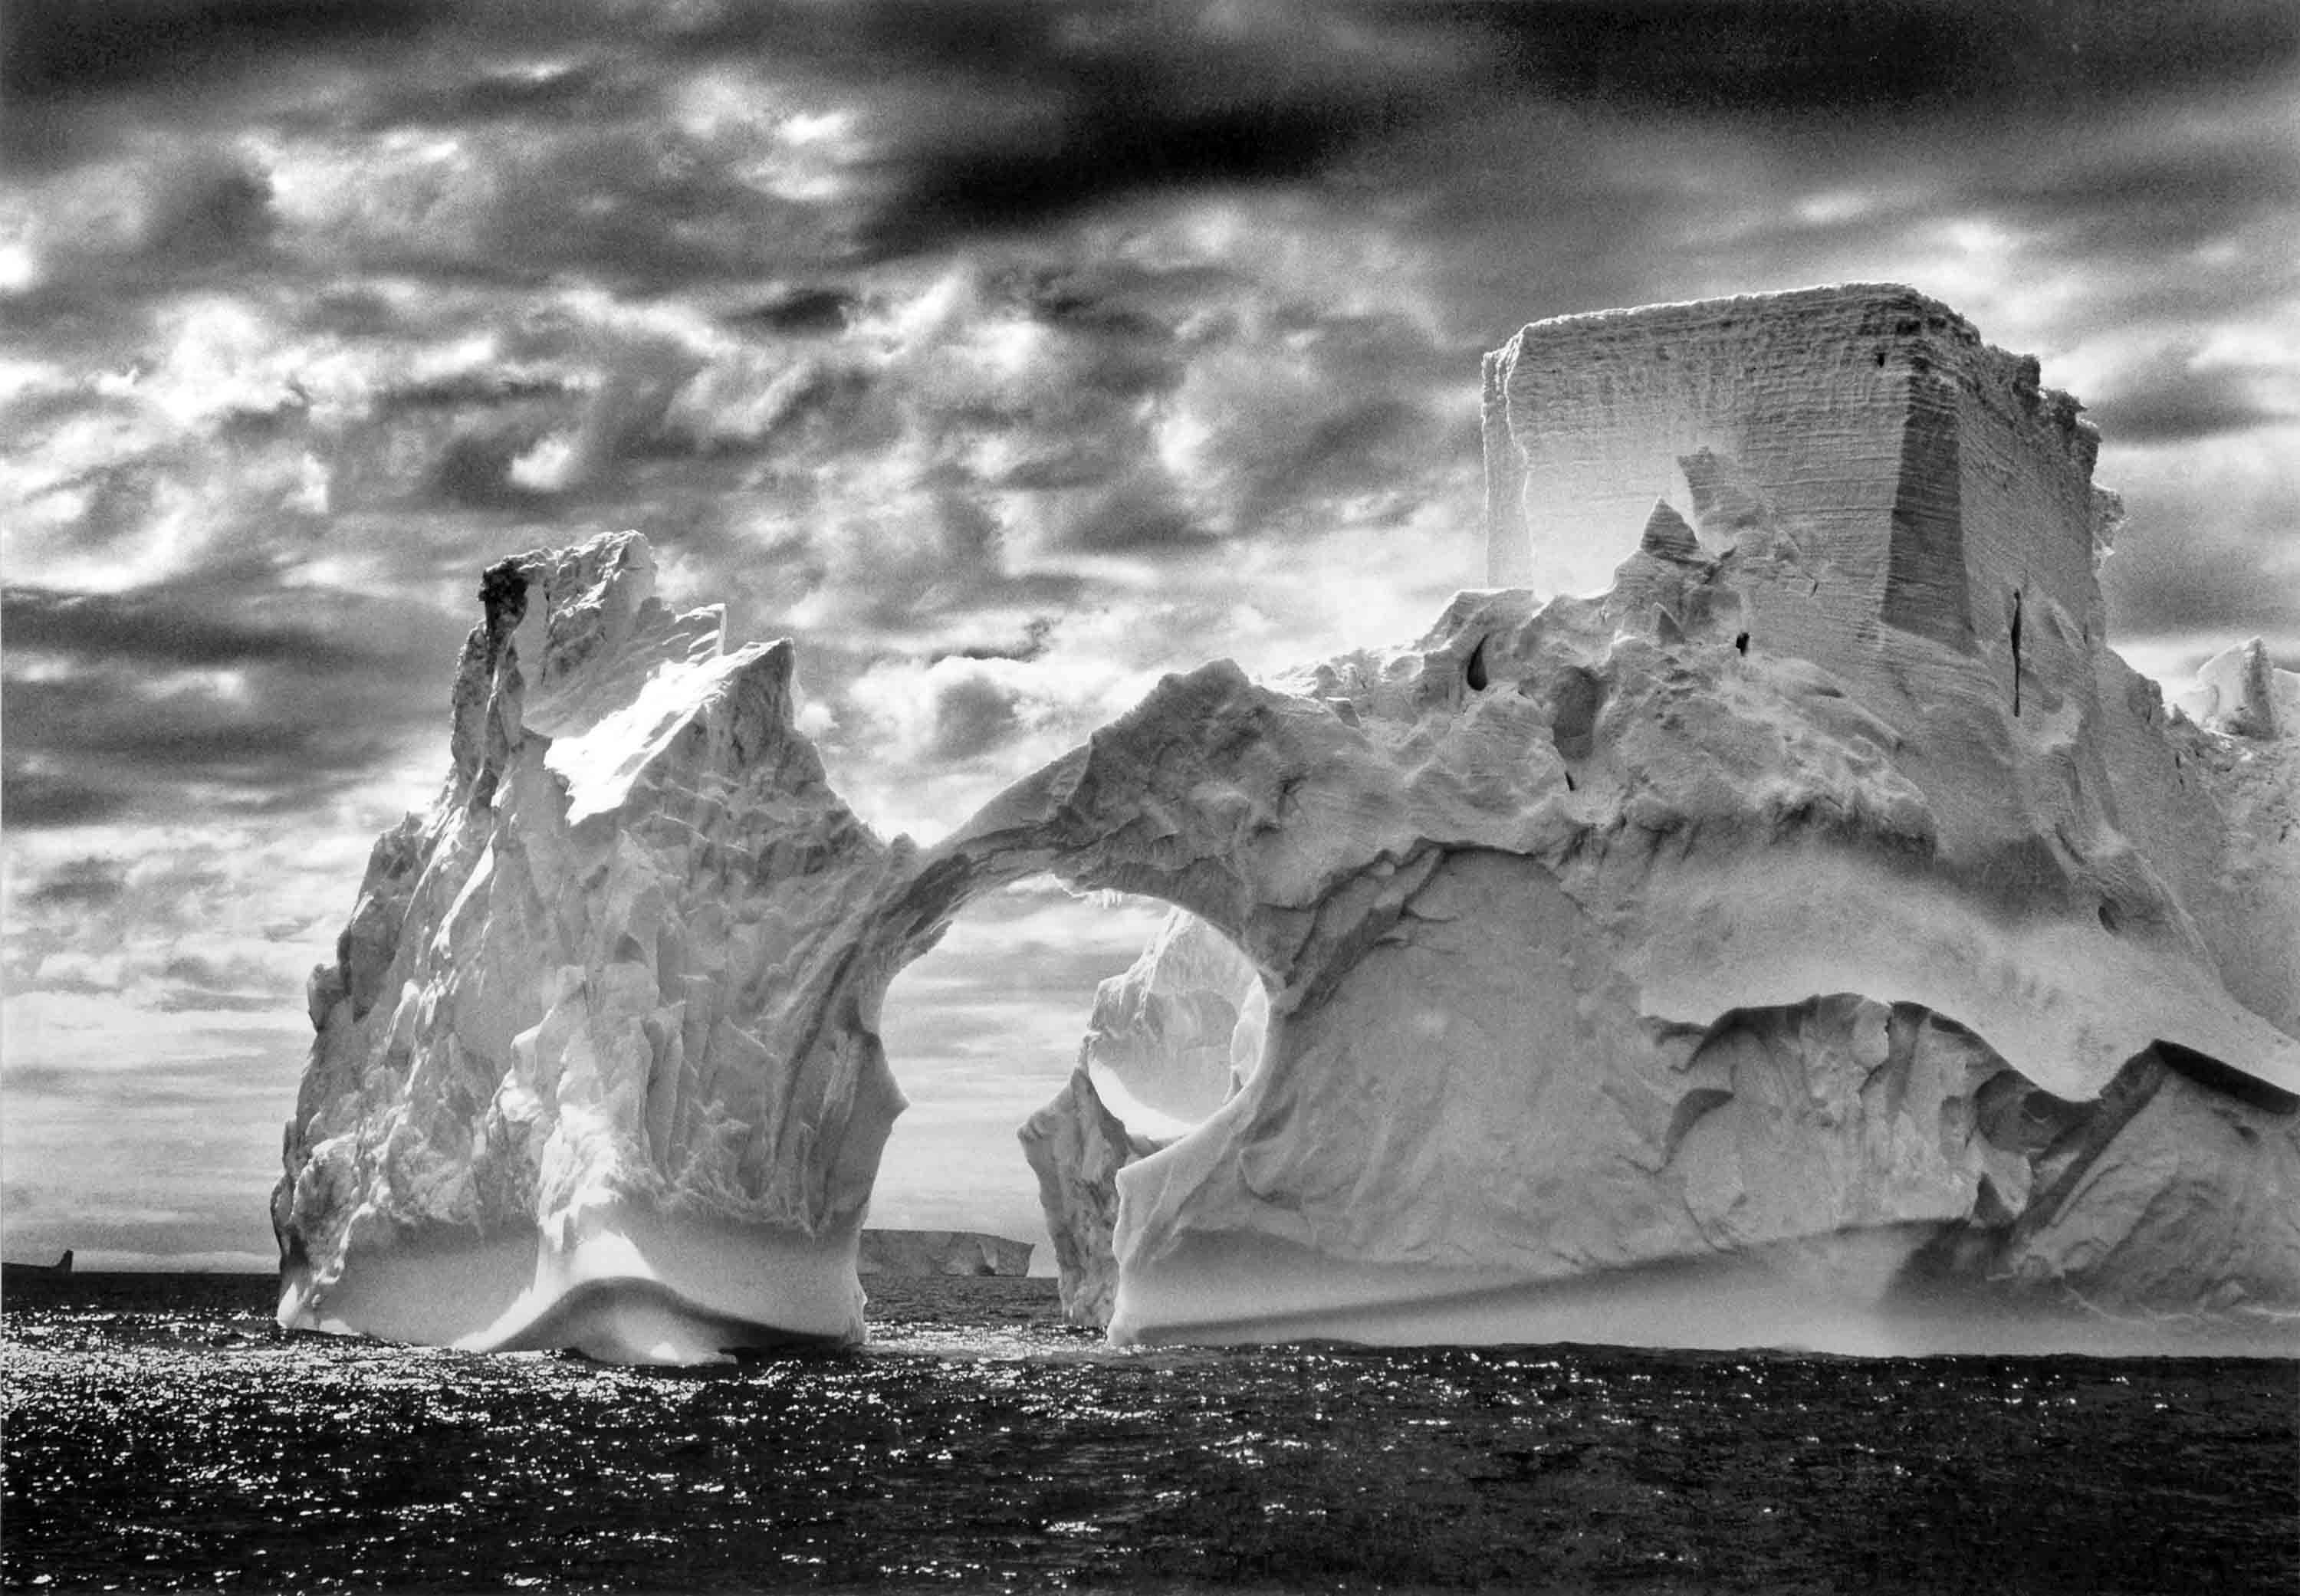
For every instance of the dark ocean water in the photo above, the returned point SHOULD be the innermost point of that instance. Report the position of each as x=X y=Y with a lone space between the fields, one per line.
x=160 y=1433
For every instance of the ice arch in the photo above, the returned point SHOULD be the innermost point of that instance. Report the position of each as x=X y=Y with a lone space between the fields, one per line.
x=987 y=1026
x=598 y=1060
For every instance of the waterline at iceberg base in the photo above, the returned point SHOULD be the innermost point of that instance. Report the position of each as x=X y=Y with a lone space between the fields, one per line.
x=1817 y=937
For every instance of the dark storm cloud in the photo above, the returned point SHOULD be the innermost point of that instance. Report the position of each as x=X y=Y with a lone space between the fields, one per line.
x=33 y=798
x=195 y=983
x=85 y=319
x=1123 y=95
x=1009 y=116
x=1141 y=514
x=630 y=205
x=116 y=725
x=627 y=202
x=91 y=882
x=1120 y=137
x=193 y=970
x=2169 y=400
x=474 y=472
x=992 y=115
x=1122 y=295
x=66 y=65
x=119 y=499
x=467 y=391
x=1121 y=327
x=483 y=95
x=214 y=212
x=61 y=49
x=2181 y=588
x=998 y=114
x=182 y=218
x=2146 y=199
x=2192 y=570
x=973 y=715
x=162 y=628
x=1860 y=58
x=1006 y=116
x=1745 y=55
x=352 y=313
x=1356 y=447
x=799 y=313
x=163 y=701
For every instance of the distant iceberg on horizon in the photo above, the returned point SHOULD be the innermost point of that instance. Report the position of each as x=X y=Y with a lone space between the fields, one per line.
x=1818 y=925
x=928 y=1253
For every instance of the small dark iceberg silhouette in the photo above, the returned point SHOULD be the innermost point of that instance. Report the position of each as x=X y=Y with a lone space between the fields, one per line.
x=13 y=1273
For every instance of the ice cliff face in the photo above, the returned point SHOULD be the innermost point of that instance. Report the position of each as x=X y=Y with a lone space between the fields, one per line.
x=1816 y=922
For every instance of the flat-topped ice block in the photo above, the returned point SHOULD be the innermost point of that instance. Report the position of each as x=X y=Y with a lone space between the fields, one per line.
x=1931 y=475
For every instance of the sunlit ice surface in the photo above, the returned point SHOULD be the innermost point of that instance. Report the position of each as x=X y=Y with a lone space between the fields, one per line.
x=619 y=1283
x=1863 y=1294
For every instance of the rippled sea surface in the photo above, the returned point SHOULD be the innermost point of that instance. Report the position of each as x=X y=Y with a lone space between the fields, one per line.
x=160 y=1433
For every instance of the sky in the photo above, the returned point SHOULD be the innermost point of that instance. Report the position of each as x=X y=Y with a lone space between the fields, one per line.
x=1006 y=355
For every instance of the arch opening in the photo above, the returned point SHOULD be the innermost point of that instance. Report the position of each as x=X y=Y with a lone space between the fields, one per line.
x=1095 y=1027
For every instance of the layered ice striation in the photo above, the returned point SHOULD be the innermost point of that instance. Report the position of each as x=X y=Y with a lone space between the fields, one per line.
x=1816 y=927
x=1872 y=419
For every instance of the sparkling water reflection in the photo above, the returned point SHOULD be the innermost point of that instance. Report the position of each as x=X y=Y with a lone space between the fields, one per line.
x=170 y=1441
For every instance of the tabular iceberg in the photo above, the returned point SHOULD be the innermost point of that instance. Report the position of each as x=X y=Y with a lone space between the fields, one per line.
x=1819 y=916
x=925 y=1252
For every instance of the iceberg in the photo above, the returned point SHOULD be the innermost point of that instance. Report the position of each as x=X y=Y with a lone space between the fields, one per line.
x=1812 y=926
x=595 y=1064
x=927 y=1252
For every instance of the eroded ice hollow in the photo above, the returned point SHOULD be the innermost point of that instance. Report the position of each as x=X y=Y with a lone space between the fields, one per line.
x=1816 y=927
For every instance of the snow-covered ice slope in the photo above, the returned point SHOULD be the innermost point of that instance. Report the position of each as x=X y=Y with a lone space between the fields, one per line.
x=1818 y=921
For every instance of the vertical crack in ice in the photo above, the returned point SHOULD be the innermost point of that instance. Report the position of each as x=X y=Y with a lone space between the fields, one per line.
x=2015 y=630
